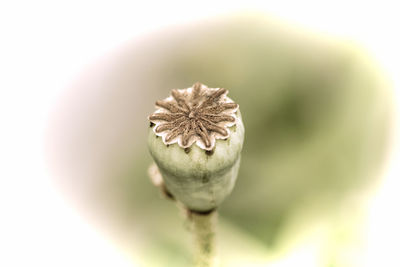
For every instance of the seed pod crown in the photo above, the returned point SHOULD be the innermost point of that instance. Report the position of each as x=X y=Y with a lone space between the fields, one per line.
x=194 y=115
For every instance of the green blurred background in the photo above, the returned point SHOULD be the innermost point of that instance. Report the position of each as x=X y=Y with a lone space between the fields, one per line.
x=317 y=114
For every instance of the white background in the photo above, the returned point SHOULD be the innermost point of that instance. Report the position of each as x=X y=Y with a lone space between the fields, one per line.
x=45 y=44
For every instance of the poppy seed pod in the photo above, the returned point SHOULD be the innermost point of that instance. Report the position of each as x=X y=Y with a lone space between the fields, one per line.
x=195 y=138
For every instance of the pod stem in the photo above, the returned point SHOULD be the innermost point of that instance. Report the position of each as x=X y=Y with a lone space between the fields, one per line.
x=204 y=234
x=203 y=225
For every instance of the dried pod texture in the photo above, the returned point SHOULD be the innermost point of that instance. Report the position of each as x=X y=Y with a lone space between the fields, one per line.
x=194 y=115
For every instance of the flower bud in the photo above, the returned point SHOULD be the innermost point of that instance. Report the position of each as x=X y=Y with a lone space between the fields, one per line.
x=195 y=138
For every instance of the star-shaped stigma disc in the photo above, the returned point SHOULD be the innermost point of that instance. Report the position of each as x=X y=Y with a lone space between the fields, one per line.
x=196 y=114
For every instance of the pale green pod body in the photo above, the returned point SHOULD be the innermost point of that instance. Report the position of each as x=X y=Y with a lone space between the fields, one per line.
x=195 y=138
x=200 y=180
